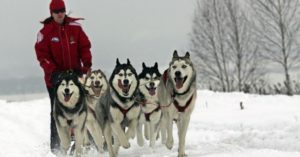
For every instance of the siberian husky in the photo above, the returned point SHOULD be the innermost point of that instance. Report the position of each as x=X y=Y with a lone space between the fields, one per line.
x=70 y=111
x=177 y=94
x=151 y=113
x=118 y=110
x=95 y=84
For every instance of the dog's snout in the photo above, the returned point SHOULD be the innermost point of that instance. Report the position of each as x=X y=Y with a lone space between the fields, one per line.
x=177 y=73
x=126 y=82
x=67 y=90
x=152 y=84
x=97 y=83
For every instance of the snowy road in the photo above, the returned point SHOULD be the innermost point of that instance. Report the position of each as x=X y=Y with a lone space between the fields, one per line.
x=269 y=126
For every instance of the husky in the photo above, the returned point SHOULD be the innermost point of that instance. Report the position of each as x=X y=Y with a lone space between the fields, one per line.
x=151 y=113
x=177 y=94
x=70 y=111
x=118 y=108
x=95 y=85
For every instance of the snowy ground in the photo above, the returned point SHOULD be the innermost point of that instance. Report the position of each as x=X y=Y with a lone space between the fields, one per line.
x=269 y=126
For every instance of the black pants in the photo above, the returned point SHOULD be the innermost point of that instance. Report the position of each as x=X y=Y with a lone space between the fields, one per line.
x=54 y=138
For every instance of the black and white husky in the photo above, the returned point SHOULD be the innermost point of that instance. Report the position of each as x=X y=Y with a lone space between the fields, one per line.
x=177 y=93
x=151 y=113
x=95 y=84
x=70 y=111
x=118 y=110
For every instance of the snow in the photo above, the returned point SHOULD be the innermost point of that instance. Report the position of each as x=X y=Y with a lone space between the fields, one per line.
x=269 y=126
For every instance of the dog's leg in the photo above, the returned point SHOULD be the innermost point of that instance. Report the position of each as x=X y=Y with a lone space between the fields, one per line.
x=65 y=139
x=152 y=134
x=170 y=140
x=116 y=145
x=80 y=131
x=182 y=130
x=121 y=137
x=108 y=139
x=130 y=133
x=98 y=137
x=163 y=129
x=140 y=138
x=96 y=133
x=146 y=131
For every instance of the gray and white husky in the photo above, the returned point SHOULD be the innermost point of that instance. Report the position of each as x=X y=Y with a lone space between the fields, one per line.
x=70 y=111
x=118 y=108
x=96 y=85
x=177 y=93
x=151 y=113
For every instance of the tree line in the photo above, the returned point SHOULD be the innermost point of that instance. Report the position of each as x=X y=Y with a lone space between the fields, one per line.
x=237 y=42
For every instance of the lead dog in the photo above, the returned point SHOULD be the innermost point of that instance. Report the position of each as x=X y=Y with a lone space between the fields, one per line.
x=151 y=113
x=70 y=111
x=95 y=84
x=177 y=93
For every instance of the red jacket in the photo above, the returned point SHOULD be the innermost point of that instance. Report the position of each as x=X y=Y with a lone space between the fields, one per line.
x=63 y=47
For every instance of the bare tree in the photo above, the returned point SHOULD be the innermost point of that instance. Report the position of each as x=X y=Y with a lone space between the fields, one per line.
x=222 y=41
x=277 y=28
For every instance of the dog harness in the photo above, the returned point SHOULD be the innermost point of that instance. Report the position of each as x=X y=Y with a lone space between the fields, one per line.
x=182 y=108
x=147 y=115
x=124 y=111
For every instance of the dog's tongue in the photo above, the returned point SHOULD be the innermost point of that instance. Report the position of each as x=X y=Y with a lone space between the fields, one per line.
x=67 y=98
x=152 y=91
x=125 y=89
x=97 y=92
x=179 y=82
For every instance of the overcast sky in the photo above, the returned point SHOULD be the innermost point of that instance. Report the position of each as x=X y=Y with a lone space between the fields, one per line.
x=141 y=30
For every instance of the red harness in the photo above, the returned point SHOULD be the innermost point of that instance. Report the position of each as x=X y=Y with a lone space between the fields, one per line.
x=147 y=115
x=124 y=111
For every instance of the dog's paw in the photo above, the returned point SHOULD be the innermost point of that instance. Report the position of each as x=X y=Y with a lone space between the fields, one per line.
x=182 y=155
x=126 y=145
x=152 y=144
x=140 y=142
x=170 y=143
x=130 y=134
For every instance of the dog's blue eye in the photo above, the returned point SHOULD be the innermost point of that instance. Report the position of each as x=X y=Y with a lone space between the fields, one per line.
x=184 y=66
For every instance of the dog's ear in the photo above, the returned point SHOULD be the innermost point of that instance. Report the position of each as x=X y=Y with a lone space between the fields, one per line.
x=175 y=54
x=155 y=65
x=144 y=66
x=187 y=55
x=118 y=62
x=128 y=61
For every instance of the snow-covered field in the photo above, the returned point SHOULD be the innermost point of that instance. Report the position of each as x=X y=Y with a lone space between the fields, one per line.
x=269 y=126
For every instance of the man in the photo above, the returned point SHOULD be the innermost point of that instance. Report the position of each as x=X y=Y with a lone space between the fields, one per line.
x=61 y=45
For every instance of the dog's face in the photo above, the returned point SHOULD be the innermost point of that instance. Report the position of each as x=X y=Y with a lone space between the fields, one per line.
x=96 y=83
x=68 y=90
x=181 y=71
x=124 y=79
x=149 y=80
